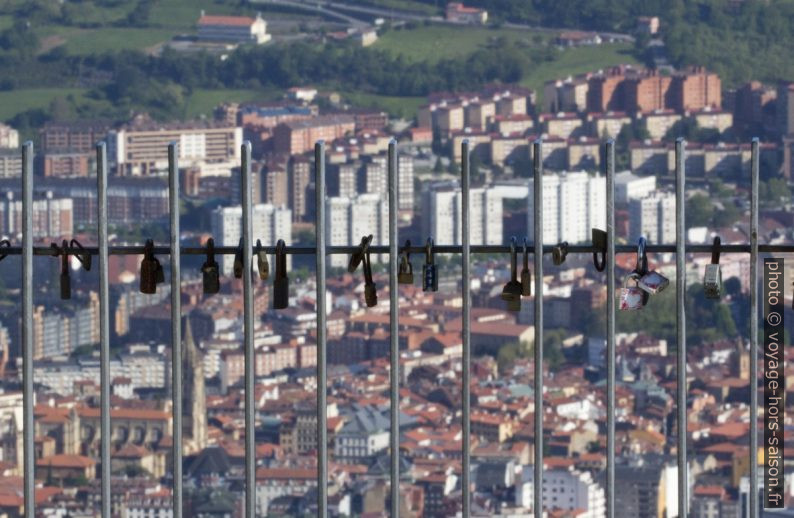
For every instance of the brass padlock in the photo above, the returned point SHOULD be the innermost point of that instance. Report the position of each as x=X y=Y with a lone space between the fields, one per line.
x=511 y=293
x=238 y=261
x=261 y=262
x=526 y=276
x=559 y=253
x=406 y=273
x=712 y=280
x=280 y=279
x=148 y=269
x=370 y=291
x=632 y=297
x=429 y=274
x=210 y=273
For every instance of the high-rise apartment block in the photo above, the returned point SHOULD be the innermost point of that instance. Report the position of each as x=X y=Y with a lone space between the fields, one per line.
x=270 y=224
x=52 y=217
x=653 y=217
x=441 y=214
x=573 y=203
x=351 y=218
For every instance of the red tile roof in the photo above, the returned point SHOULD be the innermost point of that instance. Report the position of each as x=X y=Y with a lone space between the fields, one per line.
x=240 y=21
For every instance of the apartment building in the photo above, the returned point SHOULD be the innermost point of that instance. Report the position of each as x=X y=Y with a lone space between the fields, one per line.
x=351 y=218
x=629 y=186
x=479 y=113
x=563 y=488
x=457 y=12
x=658 y=122
x=573 y=203
x=271 y=115
x=275 y=185
x=653 y=217
x=75 y=137
x=300 y=170
x=584 y=153
x=140 y=148
x=563 y=124
x=607 y=124
x=712 y=118
x=52 y=217
x=297 y=137
x=441 y=211
x=10 y=163
x=270 y=223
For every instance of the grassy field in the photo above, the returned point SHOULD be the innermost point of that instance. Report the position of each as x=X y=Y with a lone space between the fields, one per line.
x=397 y=106
x=576 y=61
x=87 y=41
x=15 y=101
x=436 y=42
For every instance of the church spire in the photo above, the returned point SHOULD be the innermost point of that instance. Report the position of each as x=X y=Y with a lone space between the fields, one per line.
x=193 y=396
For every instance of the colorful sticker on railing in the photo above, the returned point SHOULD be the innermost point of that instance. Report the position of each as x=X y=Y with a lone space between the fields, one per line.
x=774 y=384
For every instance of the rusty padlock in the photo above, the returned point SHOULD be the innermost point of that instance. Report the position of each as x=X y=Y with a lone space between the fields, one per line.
x=261 y=262
x=406 y=272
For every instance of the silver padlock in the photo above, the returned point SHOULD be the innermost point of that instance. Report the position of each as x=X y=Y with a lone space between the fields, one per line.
x=631 y=297
x=653 y=282
x=712 y=280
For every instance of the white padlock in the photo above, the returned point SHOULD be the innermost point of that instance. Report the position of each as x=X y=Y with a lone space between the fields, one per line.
x=653 y=282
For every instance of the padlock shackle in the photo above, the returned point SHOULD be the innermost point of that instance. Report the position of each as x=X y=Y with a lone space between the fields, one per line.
x=83 y=257
x=715 y=251
x=6 y=243
x=513 y=260
x=405 y=258
x=65 y=257
x=429 y=250
x=281 y=260
x=642 y=257
x=526 y=255
x=210 y=250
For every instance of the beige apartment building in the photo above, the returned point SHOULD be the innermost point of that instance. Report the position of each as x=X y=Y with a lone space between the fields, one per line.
x=658 y=122
x=141 y=147
x=563 y=124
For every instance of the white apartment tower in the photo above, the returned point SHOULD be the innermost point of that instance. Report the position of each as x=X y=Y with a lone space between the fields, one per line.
x=653 y=217
x=350 y=219
x=441 y=214
x=573 y=203
x=565 y=489
x=269 y=224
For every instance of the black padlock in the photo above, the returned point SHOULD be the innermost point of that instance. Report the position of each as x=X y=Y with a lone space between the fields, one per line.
x=158 y=272
x=210 y=273
x=511 y=293
x=6 y=244
x=358 y=256
x=370 y=290
x=238 y=261
x=406 y=273
x=429 y=274
x=148 y=269
x=526 y=276
x=261 y=262
x=280 y=279
x=65 y=279
x=599 y=238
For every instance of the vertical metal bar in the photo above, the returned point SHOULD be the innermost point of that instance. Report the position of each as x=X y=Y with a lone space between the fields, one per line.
x=466 y=286
x=754 y=172
x=104 y=324
x=248 y=333
x=322 y=367
x=537 y=148
x=394 y=333
x=680 y=291
x=176 y=326
x=610 y=263
x=27 y=327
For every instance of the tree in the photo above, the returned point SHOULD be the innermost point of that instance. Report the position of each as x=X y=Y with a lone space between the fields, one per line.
x=699 y=211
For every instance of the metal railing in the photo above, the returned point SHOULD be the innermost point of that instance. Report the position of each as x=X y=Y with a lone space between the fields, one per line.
x=321 y=251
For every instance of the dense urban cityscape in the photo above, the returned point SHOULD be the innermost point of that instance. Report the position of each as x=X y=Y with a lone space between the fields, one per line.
x=643 y=109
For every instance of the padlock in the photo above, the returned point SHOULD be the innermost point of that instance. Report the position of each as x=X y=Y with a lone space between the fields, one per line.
x=513 y=289
x=559 y=252
x=653 y=282
x=280 y=280
x=238 y=261
x=148 y=276
x=599 y=238
x=406 y=273
x=210 y=272
x=631 y=297
x=712 y=280
x=358 y=256
x=370 y=295
x=526 y=276
x=65 y=279
x=158 y=271
x=429 y=274
x=149 y=266
x=261 y=262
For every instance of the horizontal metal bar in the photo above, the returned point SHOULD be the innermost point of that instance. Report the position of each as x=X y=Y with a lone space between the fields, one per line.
x=384 y=249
